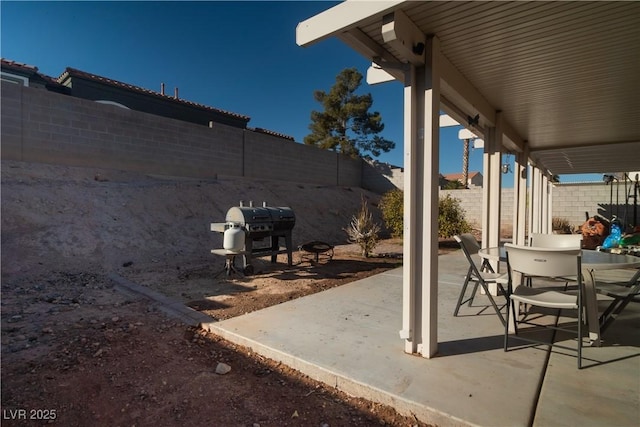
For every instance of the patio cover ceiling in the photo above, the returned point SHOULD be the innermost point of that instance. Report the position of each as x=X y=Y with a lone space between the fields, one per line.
x=565 y=75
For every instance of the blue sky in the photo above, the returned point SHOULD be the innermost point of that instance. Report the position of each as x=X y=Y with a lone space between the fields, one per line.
x=237 y=56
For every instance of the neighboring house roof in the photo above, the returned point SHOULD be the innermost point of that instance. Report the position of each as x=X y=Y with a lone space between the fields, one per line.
x=458 y=176
x=273 y=133
x=31 y=73
x=70 y=73
x=82 y=84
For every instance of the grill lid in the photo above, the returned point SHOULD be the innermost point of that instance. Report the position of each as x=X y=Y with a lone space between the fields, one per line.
x=262 y=219
x=247 y=215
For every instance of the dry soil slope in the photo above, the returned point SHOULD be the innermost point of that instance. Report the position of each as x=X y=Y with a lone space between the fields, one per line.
x=73 y=218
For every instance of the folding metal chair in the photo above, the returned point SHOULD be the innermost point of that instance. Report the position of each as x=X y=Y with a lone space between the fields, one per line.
x=543 y=262
x=622 y=292
x=481 y=274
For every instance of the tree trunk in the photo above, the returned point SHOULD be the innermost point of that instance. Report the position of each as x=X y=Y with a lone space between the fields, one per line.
x=465 y=163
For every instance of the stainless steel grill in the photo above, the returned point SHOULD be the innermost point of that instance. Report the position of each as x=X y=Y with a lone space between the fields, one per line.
x=260 y=223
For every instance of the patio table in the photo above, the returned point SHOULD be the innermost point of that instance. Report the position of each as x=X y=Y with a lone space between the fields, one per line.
x=591 y=262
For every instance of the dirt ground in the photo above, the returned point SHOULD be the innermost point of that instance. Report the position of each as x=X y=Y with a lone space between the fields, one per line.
x=208 y=289
x=77 y=350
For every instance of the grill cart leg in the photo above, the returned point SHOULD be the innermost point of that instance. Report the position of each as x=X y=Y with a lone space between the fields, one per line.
x=275 y=246
x=248 y=247
x=230 y=266
x=289 y=245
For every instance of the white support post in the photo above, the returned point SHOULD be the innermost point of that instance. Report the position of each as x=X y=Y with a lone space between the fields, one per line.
x=431 y=164
x=491 y=189
x=520 y=197
x=411 y=276
x=549 y=205
x=544 y=204
x=486 y=184
x=530 y=195
x=420 y=265
x=536 y=192
x=496 y=183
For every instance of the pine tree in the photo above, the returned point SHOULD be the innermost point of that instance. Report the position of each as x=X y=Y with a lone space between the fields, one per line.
x=346 y=125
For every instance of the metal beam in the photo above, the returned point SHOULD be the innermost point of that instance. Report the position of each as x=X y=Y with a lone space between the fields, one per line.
x=377 y=75
x=404 y=36
x=465 y=89
x=340 y=18
x=366 y=46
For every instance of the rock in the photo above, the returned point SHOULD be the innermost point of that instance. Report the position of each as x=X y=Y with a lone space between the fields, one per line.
x=223 y=369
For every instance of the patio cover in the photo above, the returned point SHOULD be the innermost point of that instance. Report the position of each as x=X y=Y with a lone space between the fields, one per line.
x=554 y=83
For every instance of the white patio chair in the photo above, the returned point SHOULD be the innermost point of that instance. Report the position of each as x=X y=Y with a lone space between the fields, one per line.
x=568 y=241
x=543 y=262
x=481 y=274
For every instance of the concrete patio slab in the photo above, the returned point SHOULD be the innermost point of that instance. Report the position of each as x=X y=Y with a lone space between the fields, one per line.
x=348 y=337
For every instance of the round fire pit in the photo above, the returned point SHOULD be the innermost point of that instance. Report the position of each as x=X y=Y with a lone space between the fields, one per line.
x=313 y=251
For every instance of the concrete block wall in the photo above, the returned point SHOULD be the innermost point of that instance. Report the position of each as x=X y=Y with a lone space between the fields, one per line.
x=11 y=124
x=349 y=171
x=381 y=177
x=52 y=128
x=271 y=157
x=471 y=203
x=570 y=202
x=573 y=201
x=46 y=127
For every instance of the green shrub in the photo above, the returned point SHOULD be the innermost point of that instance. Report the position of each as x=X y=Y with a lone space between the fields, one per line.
x=391 y=205
x=450 y=215
x=454 y=185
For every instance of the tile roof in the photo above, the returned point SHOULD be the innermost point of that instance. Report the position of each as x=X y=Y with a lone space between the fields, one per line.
x=270 y=132
x=72 y=72
x=458 y=176
x=30 y=70
x=19 y=65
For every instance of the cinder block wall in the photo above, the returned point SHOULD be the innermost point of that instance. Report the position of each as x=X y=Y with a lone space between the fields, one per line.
x=573 y=201
x=45 y=127
x=381 y=177
x=270 y=157
x=570 y=201
x=349 y=171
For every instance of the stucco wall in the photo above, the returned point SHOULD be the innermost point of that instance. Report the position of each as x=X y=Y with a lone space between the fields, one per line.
x=45 y=127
